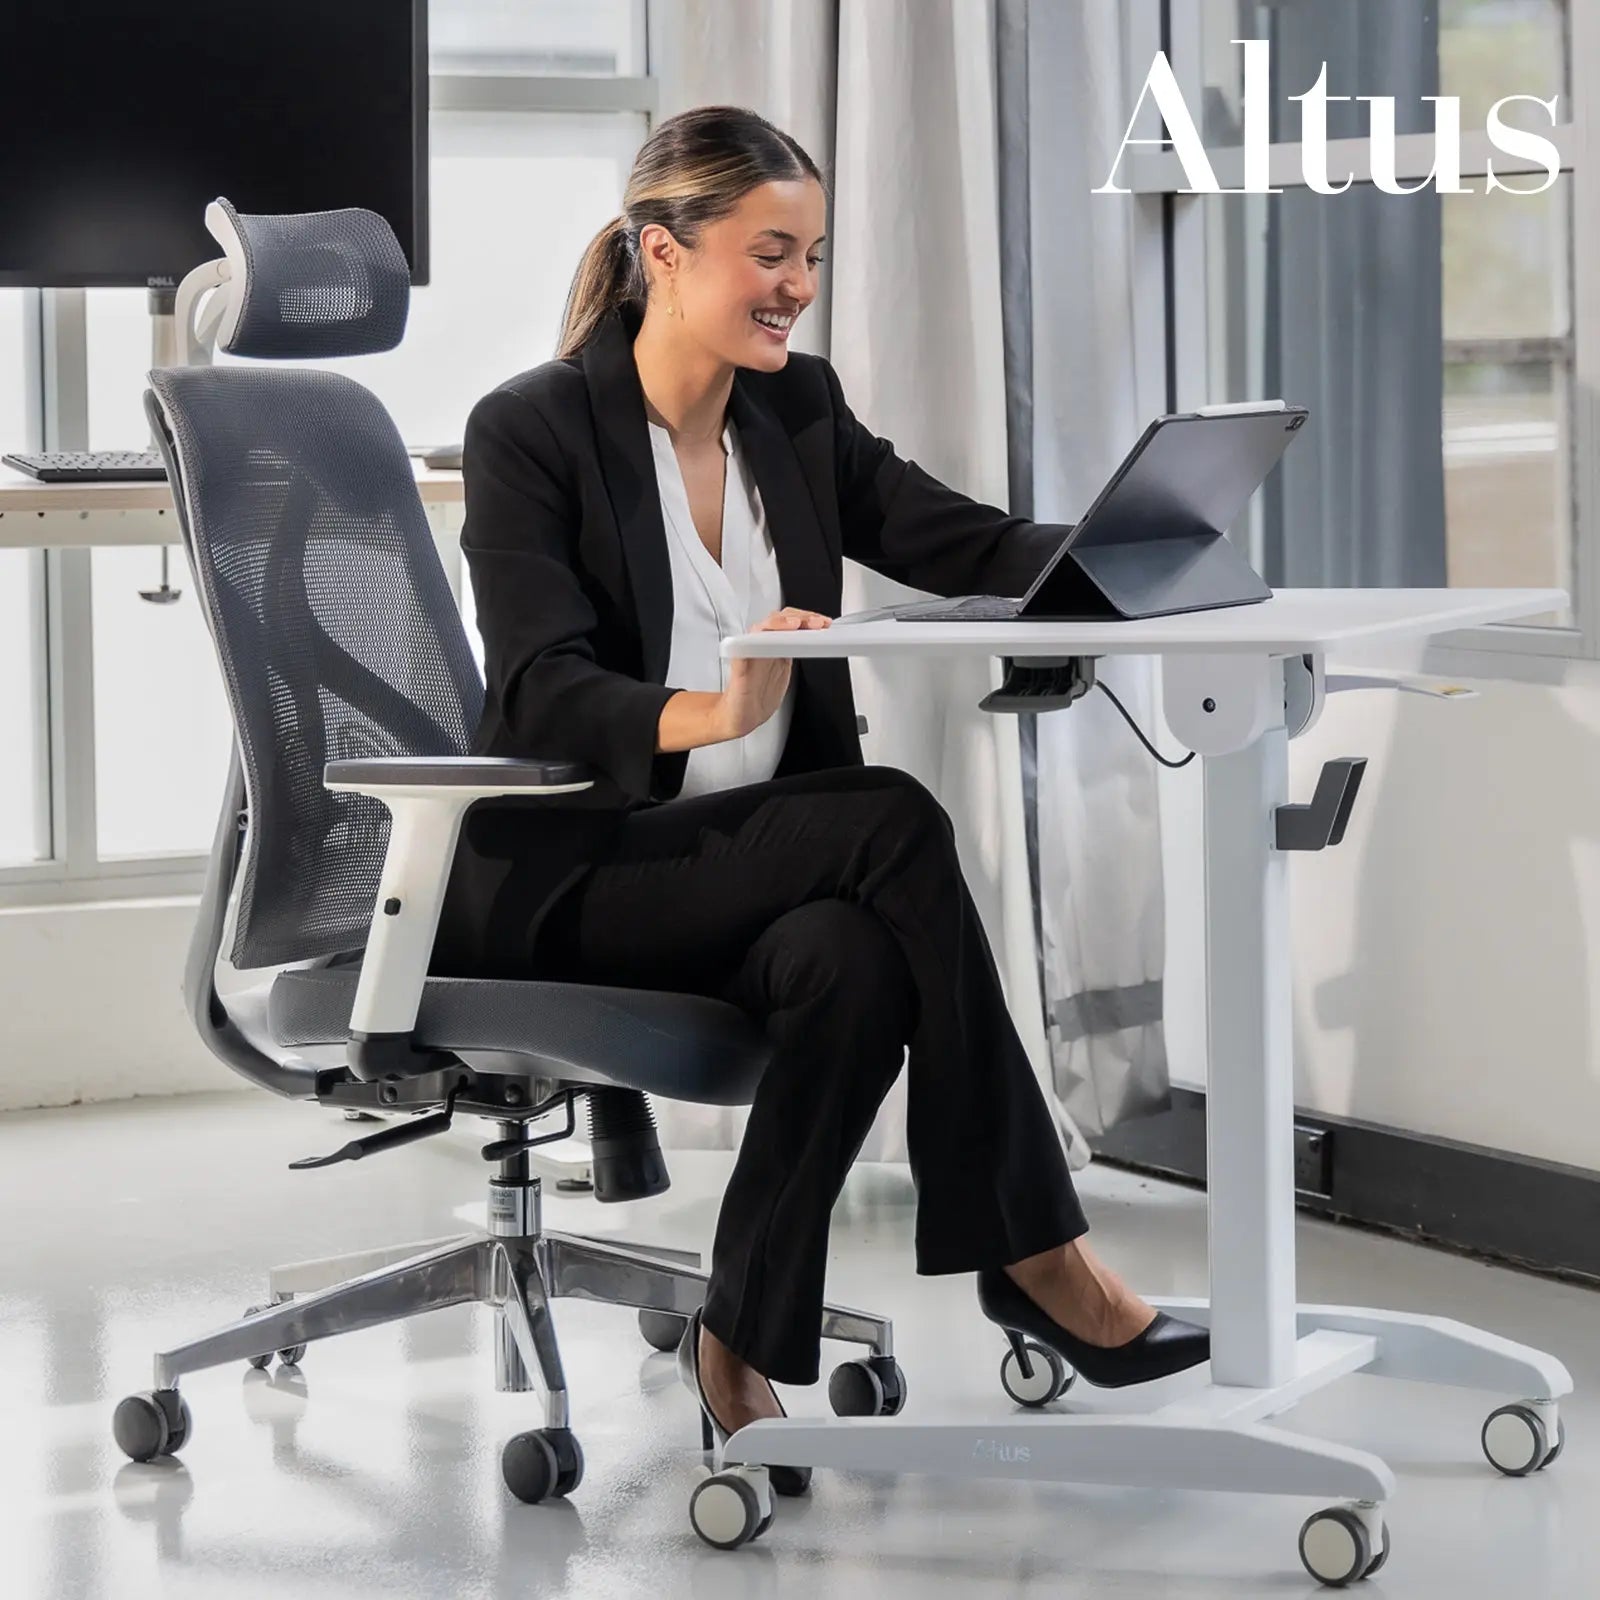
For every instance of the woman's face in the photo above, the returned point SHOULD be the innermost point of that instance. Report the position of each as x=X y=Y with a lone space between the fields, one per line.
x=754 y=271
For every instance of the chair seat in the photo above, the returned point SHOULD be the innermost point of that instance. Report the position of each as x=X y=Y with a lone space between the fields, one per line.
x=681 y=1046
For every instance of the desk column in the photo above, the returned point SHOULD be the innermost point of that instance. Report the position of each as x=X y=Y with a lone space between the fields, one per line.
x=1250 y=1070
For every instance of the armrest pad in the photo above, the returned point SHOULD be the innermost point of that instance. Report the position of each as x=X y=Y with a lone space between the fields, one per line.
x=446 y=772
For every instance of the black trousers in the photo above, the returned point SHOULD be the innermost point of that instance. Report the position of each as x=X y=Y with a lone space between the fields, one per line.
x=831 y=907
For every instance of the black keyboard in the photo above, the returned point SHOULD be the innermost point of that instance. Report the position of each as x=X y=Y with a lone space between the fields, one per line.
x=974 y=608
x=89 y=466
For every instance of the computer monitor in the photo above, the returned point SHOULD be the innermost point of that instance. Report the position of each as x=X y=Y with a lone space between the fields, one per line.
x=121 y=119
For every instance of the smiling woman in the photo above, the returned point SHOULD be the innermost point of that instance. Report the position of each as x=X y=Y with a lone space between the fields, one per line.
x=676 y=478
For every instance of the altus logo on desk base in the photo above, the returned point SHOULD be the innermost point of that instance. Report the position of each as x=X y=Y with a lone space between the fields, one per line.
x=1162 y=84
x=999 y=1450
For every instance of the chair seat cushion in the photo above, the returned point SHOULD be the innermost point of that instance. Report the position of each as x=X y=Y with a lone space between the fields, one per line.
x=679 y=1046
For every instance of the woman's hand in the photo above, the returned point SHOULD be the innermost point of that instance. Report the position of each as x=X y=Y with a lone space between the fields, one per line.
x=757 y=684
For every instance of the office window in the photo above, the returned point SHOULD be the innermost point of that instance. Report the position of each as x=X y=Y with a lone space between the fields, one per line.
x=538 y=38
x=1432 y=337
x=13 y=398
x=24 y=814
x=1432 y=340
x=24 y=802
x=161 y=728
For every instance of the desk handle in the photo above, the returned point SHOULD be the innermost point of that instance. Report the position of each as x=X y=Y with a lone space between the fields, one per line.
x=1322 y=823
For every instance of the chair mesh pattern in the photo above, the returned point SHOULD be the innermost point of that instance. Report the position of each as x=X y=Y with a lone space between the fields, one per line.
x=334 y=626
x=322 y=283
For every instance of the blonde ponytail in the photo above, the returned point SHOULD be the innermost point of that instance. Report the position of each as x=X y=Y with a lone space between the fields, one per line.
x=607 y=276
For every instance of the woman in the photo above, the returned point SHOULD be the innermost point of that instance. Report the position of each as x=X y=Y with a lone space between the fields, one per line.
x=674 y=477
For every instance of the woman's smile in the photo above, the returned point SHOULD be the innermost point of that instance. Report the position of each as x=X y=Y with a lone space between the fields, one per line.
x=775 y=324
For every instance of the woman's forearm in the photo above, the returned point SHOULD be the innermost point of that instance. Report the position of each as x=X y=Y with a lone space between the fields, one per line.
x=691 y=718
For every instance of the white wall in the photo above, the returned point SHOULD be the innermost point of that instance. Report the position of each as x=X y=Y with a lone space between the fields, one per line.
x=1447 y=954
x=91 y=997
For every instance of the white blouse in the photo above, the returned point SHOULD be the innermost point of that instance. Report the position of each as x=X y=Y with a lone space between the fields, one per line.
x=711 y=603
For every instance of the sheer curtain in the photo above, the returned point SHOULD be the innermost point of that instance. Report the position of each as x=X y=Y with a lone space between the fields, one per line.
x=1094 y=828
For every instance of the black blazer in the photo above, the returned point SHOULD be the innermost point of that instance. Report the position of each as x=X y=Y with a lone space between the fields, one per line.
x=568 y=559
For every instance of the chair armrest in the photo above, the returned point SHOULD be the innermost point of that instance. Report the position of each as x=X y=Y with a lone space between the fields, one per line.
x=426 y=798
x=487 y=776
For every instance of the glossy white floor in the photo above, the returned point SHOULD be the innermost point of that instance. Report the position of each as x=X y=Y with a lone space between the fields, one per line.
x=373 y=1470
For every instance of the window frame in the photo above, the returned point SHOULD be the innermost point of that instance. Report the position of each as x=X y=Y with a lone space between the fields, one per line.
x=56 y=388
x=1155 y=176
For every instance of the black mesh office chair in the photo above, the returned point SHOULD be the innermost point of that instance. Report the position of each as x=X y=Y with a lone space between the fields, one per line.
x=354 y=694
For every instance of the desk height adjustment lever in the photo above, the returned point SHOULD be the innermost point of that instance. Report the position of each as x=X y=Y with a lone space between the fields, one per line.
x=1322 y=823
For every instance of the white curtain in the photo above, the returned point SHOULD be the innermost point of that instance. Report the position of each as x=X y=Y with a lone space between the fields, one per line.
x=895 y=101
x=1098 y=819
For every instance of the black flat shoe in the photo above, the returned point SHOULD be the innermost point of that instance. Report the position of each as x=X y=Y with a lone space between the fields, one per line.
x=1166 y=1346
x=790 y=1481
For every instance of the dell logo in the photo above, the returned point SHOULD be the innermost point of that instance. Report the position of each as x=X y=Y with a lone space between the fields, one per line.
x=996 y=1450
x=161 y=281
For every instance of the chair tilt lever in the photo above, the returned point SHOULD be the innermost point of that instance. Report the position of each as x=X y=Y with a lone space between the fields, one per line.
x=1322 y=823
x=385 y=1139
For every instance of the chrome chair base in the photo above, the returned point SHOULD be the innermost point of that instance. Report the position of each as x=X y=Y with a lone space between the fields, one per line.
x=516 y=1268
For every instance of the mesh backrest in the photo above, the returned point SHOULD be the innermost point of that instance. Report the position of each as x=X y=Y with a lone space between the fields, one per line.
x=324 y=283
x=334 y=625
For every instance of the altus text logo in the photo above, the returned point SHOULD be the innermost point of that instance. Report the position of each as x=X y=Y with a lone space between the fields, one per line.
x=1162 y=85
x=998 y=1450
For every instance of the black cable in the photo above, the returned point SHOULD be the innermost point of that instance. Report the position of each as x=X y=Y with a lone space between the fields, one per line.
x=1140 y=731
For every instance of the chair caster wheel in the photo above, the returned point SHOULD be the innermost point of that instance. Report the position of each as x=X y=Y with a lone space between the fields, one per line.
x=731 y=1508
x=873 y=1387
x=263 y=1361
x=1033 y=1374
x=1516 y=1440
x=291 y=1355
x=542 y=1464
x=662 y=1330
x=1336 y=1546
x=156 y=1423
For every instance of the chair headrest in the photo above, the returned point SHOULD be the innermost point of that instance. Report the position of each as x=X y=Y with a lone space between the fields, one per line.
x=313 y=284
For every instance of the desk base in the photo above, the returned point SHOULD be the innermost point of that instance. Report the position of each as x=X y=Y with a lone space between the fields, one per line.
x=1211 y=1437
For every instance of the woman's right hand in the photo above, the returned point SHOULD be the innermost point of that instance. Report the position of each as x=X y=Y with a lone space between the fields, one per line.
x=757 y=684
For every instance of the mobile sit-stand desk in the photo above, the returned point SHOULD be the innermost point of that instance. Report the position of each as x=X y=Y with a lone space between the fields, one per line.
x=1238 y=684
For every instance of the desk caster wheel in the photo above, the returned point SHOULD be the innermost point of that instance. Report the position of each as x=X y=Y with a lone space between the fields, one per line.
x=875 y=1387
x=731 y=1508
x=542 y=1464
x=662 y=1330
x=156 y=1423
x=1516 y=1439
x=1033 y=1374
x=1336 y=1547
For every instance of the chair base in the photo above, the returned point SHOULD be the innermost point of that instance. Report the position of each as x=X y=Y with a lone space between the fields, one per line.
x=515 y=1268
